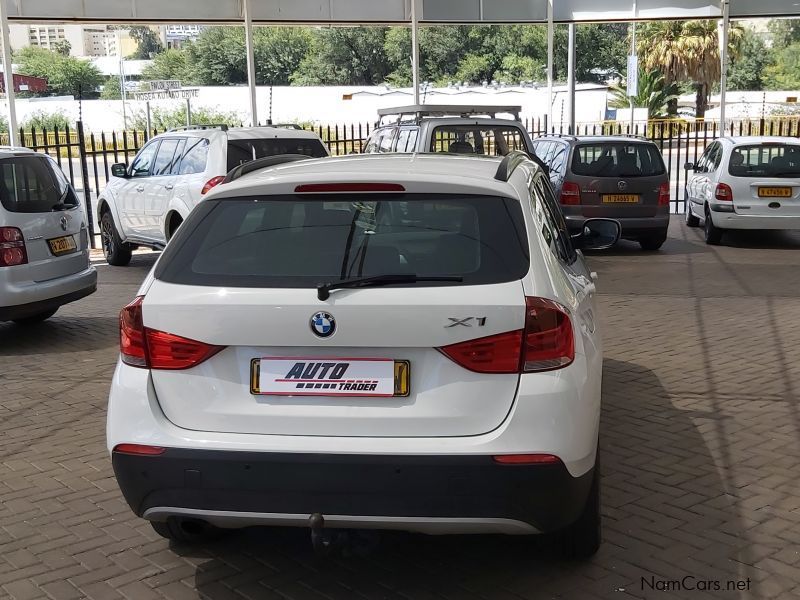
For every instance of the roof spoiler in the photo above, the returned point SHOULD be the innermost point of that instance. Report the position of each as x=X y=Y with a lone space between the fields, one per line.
x=514 y=159
x=262 y=163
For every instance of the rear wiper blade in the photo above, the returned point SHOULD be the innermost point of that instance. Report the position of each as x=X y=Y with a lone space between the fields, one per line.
x=61 y=206
x=324 y=289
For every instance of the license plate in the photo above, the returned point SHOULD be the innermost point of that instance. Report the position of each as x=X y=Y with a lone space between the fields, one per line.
x=624 y=198
x=774 y=192
x=329 y=376
x=62 y=245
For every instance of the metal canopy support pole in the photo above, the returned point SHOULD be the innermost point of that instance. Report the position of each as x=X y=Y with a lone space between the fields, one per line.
x=550 y=53
x=251 y=62
x=723 y=55
x=8 y=75
x=415 y=50
x=571 y=78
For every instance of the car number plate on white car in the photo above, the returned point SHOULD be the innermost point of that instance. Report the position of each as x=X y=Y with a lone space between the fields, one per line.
x=329 y=376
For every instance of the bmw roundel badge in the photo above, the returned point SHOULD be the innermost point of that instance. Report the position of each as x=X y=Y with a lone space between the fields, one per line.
x=323 y=324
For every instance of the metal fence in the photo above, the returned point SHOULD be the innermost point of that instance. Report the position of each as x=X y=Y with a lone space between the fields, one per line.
x=87 y=158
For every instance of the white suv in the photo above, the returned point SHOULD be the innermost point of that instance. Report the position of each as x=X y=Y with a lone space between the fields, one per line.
x=144 y=204
x=390 y=342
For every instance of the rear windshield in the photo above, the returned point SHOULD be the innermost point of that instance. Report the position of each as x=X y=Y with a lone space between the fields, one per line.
x=765 y=160
x=242 y=151
x=30 y=184
x=617 y=159
x=477 y=139
x=302 y=241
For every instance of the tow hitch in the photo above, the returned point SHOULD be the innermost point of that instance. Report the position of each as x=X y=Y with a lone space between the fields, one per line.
x=347 y=542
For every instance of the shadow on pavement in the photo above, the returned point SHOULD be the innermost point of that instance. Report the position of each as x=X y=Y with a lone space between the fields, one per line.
x=59 y=335
x=653 y=529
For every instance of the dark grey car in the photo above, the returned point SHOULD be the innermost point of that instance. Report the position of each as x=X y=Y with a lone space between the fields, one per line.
x=616 y=177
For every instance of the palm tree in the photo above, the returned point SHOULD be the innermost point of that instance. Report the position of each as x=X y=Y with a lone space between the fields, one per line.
x=653 y=93
x=686 y=51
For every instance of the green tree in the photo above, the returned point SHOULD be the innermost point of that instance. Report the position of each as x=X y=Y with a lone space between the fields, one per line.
x=686 y=51
x=111 y=89
x=345 y=55
x=653 y=93
x=65 y=75
x=747 y=70
x=784 y=73
x=170 y=64
x=600 y=49
x=148 y=44
x=784 y=32
x=278 y=52
x=63 y=47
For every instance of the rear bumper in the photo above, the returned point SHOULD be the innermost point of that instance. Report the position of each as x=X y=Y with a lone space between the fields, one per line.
x=429 y=494
x=732 y=220
x=19 y=302
x=632 y=228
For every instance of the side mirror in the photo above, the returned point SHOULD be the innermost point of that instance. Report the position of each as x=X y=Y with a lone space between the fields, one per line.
x=120 y=170
x=688 y=166
x=597 y=234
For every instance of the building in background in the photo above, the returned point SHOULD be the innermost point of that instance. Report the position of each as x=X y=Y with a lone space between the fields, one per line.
x=175 y=36
x=84 y=40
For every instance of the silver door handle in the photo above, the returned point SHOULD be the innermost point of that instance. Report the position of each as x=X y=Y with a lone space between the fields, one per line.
x=169 y=186
x=140 y=189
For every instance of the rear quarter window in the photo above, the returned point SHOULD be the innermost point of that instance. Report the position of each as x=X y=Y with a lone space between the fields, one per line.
x=243 y=151
x=302 y=241
x=617 y=159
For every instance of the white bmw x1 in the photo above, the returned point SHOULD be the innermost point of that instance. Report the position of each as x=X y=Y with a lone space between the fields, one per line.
x=374 y=342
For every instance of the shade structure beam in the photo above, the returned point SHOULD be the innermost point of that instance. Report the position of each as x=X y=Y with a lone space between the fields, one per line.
x=251 y=61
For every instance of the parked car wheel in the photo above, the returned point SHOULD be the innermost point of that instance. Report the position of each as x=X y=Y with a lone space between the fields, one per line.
x=582 y=539
x=187 y=531
x=690 y=218
x=654 y=242
x=115 y=251
x=34 y=319
x=713 y=234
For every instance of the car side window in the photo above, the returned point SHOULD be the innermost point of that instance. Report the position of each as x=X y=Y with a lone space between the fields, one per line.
x=143 y=163
x=165 y=156
x=704 y=165
x=554 y=227
x=385 y=145
x=175 y=164
x=372 y=143
x=402 y=140
x=717 y=157
x=558 y=161
x=411 y=145
x=195 y=159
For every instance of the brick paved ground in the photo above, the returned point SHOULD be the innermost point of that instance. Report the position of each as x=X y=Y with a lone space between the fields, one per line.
x=700 y=446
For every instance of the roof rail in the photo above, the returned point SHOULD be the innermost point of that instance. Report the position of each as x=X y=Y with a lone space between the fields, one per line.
x=220 y=126
x=286 y=126
x=559 y=135
x=262 y=163
x=511 y=161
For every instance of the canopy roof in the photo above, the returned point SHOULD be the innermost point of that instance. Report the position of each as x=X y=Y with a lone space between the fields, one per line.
x=322 y=12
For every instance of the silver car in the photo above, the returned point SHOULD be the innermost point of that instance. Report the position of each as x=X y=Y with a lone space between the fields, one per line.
x=44 y=242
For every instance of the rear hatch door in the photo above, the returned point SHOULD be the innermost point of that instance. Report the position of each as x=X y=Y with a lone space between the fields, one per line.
x=39 y=201
x=765 y=179
x=245 y=278
x=618 y=179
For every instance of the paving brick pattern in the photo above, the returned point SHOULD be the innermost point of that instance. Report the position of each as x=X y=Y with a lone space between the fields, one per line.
x=700 y=449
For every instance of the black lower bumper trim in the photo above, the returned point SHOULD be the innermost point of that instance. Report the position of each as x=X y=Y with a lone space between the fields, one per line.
x=22 y=311
x=545 y=496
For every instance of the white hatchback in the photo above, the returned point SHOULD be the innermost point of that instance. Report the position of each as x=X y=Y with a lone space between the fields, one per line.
x=387 y=341
x=745 y=183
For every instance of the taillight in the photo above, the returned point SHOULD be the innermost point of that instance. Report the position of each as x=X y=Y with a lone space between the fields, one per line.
x=211 y=184
x=526 y=459
x=140 y=346
x=549 y=342
x=570 y=193
x=494 y=354
x=12 y=247
x=723 y=192
x=317 y=188
x=132 y=346
x=546 y=343
x=663 y=194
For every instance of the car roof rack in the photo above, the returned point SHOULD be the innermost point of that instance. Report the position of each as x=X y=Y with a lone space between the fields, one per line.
x=286 y=126
x=262 y=163
x=558 y=135
x=220 y=126
x=510 y=162
x=419 y=111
